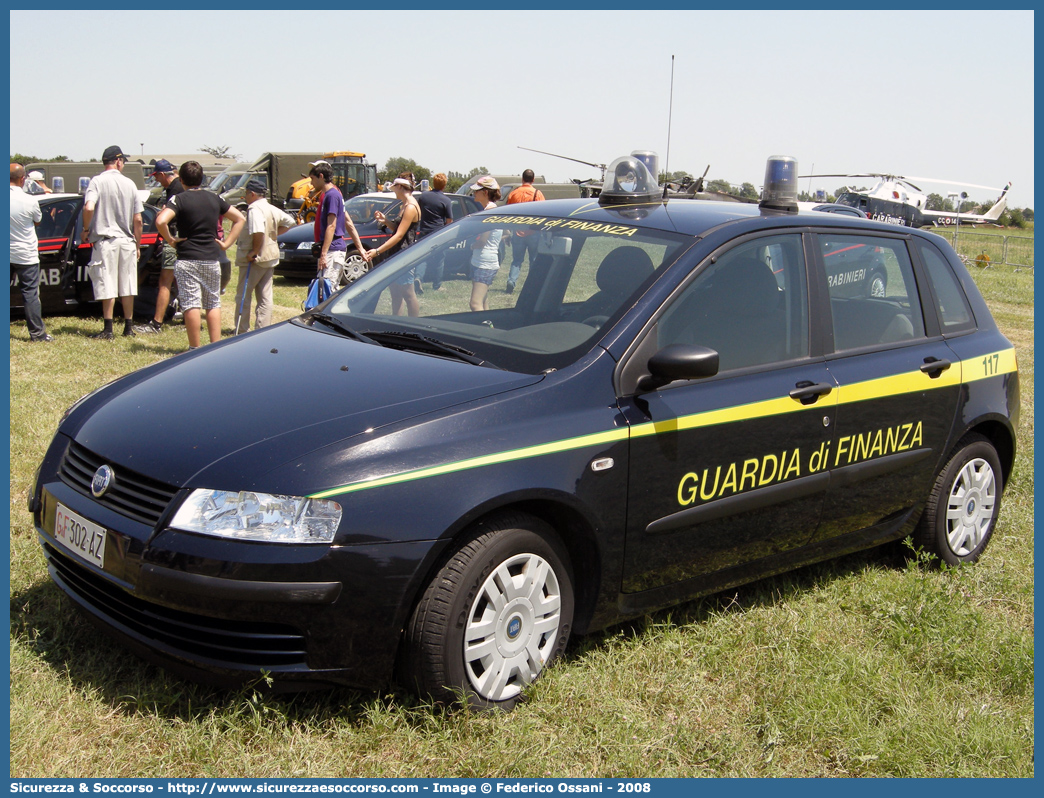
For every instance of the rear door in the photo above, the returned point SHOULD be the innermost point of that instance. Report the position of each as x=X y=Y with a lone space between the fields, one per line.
x=899 y=384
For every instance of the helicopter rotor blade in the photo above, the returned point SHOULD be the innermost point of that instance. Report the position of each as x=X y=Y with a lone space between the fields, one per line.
x=601 y=166
x=951 y=183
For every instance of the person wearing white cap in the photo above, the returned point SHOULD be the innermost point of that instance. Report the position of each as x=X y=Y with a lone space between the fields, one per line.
x=485 y=254
x=35 y=184
x=403 y=290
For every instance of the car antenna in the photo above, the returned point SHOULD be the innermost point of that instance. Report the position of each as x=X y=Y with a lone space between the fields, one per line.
x=670 y=113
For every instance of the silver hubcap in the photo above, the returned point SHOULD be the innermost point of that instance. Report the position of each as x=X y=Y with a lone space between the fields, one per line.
x=969 y=510
x=354 y=268
x=512 y=627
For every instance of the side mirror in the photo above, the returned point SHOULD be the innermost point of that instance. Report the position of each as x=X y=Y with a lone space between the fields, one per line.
x=679 y=362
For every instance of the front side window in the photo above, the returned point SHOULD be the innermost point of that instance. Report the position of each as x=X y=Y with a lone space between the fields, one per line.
x=577 y=277
x=873 y=296
x=750 y=305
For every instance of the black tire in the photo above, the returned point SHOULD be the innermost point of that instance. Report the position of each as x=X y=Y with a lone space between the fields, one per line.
x=510 y=646
x=971 y=485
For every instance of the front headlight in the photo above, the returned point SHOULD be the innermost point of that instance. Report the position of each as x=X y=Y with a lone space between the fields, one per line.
x=305 y=245
x=249 y=515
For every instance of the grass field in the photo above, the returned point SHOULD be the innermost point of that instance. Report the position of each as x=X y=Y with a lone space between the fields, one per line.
x=870 y=665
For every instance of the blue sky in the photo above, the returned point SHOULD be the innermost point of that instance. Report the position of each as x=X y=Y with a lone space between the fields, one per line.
x=947 y=95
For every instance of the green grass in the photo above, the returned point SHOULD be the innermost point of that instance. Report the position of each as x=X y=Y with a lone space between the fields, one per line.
x=869 y=665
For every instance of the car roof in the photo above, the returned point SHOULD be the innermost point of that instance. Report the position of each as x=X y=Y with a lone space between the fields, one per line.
x=686 y=216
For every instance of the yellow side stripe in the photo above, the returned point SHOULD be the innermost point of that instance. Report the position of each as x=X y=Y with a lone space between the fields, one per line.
x=971 y=370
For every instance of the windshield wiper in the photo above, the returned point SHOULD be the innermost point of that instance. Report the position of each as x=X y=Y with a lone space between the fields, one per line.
x=340 y=326
x=423 y=343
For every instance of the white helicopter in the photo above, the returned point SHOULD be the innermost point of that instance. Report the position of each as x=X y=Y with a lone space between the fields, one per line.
x=896 y=200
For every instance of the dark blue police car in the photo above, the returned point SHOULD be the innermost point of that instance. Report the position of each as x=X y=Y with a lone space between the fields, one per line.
x=675 y=400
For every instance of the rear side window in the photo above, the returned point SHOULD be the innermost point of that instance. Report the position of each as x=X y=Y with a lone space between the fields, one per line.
x=873 y=296
x=954 y=312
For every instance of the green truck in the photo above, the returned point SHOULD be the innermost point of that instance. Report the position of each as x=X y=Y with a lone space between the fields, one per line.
x=72 y=177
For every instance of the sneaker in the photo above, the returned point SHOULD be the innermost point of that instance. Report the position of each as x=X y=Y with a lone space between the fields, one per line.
x=41 y=339
x=148 y=329
x=510 y=288
x=417 y=287
x=104 y=335
x=128 y=331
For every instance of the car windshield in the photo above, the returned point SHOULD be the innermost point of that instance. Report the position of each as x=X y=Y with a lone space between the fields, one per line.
x=225 y=181
x=576 y=279
x=360 y=209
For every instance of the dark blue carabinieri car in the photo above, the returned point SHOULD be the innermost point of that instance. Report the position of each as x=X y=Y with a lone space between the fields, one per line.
x=678 y=397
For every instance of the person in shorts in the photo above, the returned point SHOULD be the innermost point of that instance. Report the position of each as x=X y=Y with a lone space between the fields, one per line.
x=485 y=251
x=197 y=270
x=332 y=226
x=112 y=224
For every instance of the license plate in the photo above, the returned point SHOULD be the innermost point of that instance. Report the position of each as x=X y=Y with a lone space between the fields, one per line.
x=83 y=538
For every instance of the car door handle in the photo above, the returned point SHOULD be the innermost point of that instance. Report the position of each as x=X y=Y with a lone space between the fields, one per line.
x=933 y=366
x=808 y=392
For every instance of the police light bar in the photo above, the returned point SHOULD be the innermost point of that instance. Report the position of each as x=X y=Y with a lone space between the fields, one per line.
x=781 y=186
x=628 y=181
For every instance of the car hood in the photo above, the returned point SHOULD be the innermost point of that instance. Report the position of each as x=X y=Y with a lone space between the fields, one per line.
x=249 y=404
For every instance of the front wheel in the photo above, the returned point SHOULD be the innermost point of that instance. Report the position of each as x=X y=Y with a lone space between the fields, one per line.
x=962 y=508
x=493 y=618
x=877 y=284
x=355 y=266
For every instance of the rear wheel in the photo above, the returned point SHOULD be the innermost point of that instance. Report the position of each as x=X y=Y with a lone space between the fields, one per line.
x=493 y=618
x=962 y=508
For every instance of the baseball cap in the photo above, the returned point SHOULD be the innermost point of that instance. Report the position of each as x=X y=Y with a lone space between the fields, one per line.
x=487 y=181
x=34 y=175
x=256 y=186
x=162 y=167
x=112 y=153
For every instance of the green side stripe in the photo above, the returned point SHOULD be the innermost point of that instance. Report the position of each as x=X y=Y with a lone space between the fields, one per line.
x=595 y=439
x=994 y=364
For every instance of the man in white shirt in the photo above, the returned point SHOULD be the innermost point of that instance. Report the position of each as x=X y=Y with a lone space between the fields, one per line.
x=112 y=224
x=258 y=258
x=25 y=252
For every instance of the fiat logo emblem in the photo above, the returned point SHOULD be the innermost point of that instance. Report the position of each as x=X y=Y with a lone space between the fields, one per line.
x=102 y=481
x=514 y=627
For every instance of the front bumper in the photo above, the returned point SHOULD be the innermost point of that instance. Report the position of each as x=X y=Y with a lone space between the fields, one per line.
x=222 y=611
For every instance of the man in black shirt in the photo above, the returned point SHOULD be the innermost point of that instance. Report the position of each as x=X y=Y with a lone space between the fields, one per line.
x=436 y=213
x=168 y=178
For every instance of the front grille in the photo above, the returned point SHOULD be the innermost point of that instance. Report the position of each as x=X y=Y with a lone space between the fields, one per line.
x=133 y=495
x=246 y=643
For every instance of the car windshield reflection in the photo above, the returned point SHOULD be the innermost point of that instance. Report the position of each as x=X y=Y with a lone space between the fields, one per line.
x=572 y=285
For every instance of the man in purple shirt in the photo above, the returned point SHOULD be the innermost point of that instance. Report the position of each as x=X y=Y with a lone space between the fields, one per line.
x=332 y=227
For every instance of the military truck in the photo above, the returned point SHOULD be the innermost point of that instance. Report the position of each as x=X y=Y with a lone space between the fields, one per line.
x=277 y=170
x=73 y=176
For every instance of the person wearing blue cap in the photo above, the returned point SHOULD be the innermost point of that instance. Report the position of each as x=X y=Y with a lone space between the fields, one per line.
x=168 y=178
x=257 y=256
